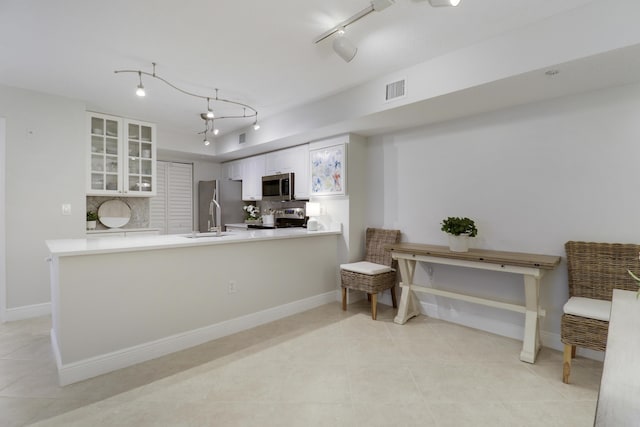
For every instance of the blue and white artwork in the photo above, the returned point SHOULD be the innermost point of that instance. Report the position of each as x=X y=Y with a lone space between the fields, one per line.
x=327 y=170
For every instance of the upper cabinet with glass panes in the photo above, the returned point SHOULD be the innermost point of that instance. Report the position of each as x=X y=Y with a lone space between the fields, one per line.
x=122 y=157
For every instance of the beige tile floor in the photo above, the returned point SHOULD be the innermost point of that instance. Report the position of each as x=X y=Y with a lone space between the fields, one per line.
x=324 y=367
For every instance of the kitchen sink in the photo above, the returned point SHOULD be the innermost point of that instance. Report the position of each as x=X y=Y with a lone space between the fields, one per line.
x=210 y=234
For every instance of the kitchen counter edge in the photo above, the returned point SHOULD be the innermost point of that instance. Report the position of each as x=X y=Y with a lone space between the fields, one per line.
x=75 y=247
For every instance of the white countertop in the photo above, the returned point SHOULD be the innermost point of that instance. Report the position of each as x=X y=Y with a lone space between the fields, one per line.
x=73 y=247
x=620 y=382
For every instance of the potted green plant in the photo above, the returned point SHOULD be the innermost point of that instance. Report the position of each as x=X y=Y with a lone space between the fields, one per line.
x=459 y=230
x=92 y=217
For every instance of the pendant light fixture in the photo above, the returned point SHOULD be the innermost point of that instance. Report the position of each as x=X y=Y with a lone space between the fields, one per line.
x=207 y=116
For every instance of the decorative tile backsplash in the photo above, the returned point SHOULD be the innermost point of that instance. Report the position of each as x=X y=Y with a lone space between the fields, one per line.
x=266 y=205
x=139 y=210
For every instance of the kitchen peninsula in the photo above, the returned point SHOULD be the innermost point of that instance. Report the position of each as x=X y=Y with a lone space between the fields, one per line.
x=120 y=301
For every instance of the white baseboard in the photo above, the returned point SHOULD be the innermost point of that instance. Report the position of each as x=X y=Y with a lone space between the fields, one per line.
x=27 y=312
x=548 y=339
x=88 y=368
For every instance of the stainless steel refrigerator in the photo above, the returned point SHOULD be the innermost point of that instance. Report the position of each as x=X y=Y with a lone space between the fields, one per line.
x=228 y=194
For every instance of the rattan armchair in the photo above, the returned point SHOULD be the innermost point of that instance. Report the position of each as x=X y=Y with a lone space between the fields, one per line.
x=376 y=272
x=595 y=270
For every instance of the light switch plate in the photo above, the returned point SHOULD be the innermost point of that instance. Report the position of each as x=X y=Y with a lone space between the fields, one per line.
x=66 y=209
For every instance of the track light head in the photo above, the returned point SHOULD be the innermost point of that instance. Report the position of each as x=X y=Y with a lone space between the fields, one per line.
x=209 y=114
x=344 y=47
x=140 y=90
x=441 y=3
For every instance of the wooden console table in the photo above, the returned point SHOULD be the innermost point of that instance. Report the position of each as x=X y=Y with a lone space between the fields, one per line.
x=620 y=383
x=531 y=266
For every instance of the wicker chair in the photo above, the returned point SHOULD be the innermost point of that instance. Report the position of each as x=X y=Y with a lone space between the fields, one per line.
x=595 y=269
x=375 y=273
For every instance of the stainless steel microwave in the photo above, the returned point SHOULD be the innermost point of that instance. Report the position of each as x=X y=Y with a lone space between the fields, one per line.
x=278 y=187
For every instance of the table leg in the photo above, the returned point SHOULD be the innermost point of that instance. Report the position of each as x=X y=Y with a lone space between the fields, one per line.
x=407 y=307
x=531 y=340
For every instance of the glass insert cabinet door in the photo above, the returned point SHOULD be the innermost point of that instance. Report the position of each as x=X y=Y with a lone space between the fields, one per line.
x=122 y=156
x=141 y=153
x=105 y=165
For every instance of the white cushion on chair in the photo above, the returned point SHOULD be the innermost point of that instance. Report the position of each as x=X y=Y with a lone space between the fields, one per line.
x=366 y=267
x=588 y=307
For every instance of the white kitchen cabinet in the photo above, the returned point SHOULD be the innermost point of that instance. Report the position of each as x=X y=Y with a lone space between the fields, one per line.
x=281 y=161
x=252 y=172
x=301 y=172
x=295 y=160
x=233 y=170
x=121 y=156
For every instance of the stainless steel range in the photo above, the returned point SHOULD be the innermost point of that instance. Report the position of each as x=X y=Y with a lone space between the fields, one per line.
x=285 y=218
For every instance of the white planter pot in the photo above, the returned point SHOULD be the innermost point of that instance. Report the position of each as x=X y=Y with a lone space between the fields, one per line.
x=459 y=243
x=91 y=225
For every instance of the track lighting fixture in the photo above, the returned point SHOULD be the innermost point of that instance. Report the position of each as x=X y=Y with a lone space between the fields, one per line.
x=375 y=5
x=209 y=115
x=344 y=47
x=140 y=91
x=440 y=3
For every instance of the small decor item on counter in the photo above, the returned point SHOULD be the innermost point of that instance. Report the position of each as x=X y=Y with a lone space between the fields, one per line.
x=268 y=219
x=252 y=213
x=312 y=210
x=92 y=217
x=459 y=230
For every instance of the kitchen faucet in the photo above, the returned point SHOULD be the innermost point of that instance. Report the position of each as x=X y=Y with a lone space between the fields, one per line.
x=218 y=227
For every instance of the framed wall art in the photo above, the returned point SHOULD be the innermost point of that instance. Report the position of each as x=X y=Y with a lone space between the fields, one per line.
x=328 y=171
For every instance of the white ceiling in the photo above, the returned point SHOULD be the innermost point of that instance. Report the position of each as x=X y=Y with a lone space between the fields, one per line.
x=255 y=51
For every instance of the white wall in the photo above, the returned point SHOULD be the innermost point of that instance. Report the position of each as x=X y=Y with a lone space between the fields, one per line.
x=44 y=169
x=3 y=268
x=533 y=177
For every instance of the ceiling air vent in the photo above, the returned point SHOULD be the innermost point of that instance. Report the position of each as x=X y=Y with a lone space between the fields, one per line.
x=242 y=138
x=396 y=90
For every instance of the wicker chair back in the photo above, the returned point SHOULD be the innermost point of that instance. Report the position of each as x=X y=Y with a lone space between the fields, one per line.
x=375 y=241
x=596 y=269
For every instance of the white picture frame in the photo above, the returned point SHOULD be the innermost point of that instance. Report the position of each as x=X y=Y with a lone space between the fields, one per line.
x=328 y=174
